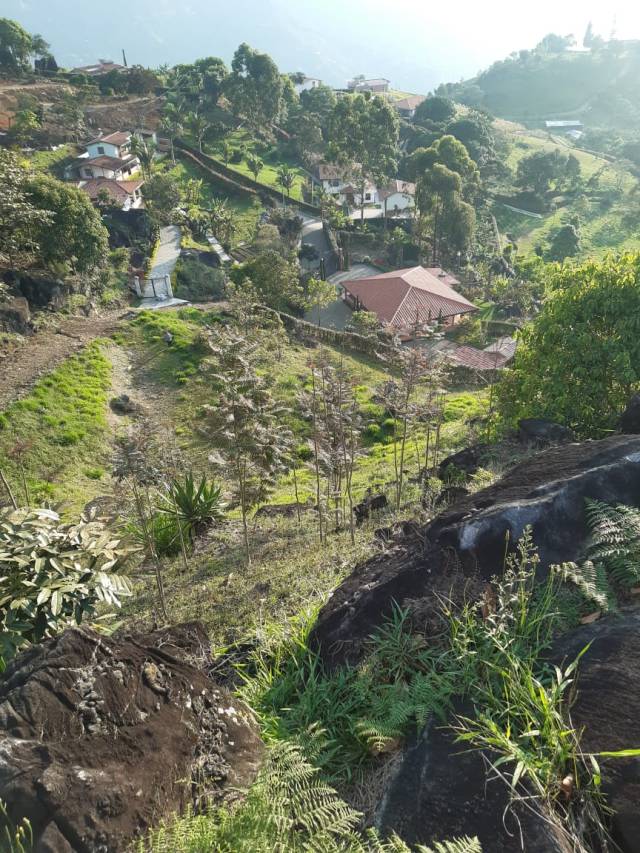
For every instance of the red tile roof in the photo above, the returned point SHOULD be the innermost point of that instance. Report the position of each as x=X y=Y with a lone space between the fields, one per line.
x=106 y=162
x=409 y=297
x=118 y=190
x=410 y=103
x=404 y=187
x=476 y=359
x=118 y=138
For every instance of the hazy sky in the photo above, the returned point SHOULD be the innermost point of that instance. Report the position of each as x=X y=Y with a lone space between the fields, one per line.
x=416 y=43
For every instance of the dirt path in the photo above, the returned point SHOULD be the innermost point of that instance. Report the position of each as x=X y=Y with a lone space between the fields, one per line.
x=24 y=362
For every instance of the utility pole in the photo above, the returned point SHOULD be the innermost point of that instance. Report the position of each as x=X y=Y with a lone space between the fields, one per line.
x=124 y=58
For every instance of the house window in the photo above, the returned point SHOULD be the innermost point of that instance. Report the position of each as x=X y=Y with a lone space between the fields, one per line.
x=367 y=197
x=100 y=149
x=335 y=183
x=88 y=173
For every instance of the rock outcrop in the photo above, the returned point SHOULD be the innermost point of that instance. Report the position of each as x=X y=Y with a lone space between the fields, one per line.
x=102 y=737
x=630 y=418
x=547 y=492
x=440 y=790
x=607 y=709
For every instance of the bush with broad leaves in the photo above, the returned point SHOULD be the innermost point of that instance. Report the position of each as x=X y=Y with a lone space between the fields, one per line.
x=53 y=575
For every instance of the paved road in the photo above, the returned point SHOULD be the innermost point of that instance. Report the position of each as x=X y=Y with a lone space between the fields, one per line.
x=313 y=233
x=168 y=252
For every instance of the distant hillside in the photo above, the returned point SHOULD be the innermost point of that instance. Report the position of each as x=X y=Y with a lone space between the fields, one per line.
x=599 y=86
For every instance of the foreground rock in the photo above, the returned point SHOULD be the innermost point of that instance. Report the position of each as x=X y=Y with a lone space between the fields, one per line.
x=440 y=790
x=607 y=707
x=541 y=432
x=468 y=540
x=103 y=737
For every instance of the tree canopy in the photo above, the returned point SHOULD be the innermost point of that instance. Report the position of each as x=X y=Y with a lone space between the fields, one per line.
x=75 y=235
x=16 y=46
x=579 y=361
x=255 y=86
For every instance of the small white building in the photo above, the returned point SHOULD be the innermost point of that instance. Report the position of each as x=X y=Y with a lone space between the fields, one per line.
x=397 y=197
x=307 y=84
x=343 y=186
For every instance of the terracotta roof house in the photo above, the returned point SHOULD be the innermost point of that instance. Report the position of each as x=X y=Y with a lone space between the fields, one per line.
x=475 y=359
x=125 y=194
x=407 y=106
x=407 y=301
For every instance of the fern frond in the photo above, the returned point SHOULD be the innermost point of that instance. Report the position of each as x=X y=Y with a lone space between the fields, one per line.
x=592 y=582
x=615 y=540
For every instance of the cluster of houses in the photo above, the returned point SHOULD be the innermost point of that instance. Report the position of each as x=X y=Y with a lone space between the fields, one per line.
x=394 y=198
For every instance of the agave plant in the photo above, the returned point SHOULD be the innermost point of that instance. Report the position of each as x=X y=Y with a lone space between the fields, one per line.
x=194 y=505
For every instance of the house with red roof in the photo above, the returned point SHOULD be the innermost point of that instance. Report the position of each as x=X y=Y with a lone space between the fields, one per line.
x=126 y=195
x=408 y=301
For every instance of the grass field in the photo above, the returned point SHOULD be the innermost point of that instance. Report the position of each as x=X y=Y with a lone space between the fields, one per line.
x=271 y=157
x=53 y=161
x=54 y=438
x=602 y=223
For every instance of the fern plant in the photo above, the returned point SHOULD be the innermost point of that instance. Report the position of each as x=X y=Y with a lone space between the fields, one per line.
x=615 y=541
x=612 y=555
x=289 y=809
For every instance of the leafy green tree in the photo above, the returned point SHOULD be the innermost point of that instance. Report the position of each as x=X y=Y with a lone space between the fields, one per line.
x=162 y=195
x=16 y=46
x=319 y=101
x=76 y=235
x=21 y=219
x=275 y=279
x=450 y=152
x=68 y=113
x=475 y=132
x=141 y=81
x=579 y=361
x=244 y=425
x=565 y=243
x=24 y=126
x=539 y=170
x=438 y=197
x=364 y=134
x=435 y=108
x=308 y=136
x=213 y=73
x=254 y=87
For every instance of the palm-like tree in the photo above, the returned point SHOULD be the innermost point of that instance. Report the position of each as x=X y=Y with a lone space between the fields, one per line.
x=198 y=125
x=227 y=151
x=145 y=151
x=285 y=179
x=171 y=126
x=223 y=222
x=255 y=165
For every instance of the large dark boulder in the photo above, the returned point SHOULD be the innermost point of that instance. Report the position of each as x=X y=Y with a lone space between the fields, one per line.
x=101 y=737
x=15 y=316
x=630 y=418
x=464 y=463
x=440 y=790
x=546 y=492
x=39 y=289
x=607 y=707
x=542 y=432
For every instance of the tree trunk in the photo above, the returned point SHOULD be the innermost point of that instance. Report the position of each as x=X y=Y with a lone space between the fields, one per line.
x=5 y=483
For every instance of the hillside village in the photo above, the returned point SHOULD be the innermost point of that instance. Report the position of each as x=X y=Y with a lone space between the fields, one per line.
x=319 y=418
